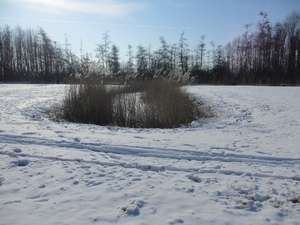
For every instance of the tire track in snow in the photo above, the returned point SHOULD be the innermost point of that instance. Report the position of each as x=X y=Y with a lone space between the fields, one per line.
x=155 y=168
x=155 y=153
x=150 y=152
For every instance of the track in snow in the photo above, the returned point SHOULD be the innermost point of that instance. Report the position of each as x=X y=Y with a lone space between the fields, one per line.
x=163 y=154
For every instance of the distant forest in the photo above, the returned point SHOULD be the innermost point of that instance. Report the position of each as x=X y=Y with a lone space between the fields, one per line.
x=268 y=55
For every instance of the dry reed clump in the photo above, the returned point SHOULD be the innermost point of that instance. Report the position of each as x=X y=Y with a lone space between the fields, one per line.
x=152 y=104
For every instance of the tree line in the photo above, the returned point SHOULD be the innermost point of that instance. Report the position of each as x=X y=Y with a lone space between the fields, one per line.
x=31 y=55
x=269 y=54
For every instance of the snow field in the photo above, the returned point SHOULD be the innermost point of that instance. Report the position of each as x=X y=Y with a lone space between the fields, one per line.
x=242 y=167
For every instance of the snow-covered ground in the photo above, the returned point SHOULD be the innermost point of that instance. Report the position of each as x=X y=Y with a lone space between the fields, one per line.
x=242 y=167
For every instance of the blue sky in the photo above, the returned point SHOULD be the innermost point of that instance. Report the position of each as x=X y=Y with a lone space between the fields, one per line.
x=139 y=21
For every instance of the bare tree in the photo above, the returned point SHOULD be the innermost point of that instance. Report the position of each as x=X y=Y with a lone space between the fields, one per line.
x=183 y=53
x=114 y=60
x=163 y=55
x=8 y=54
x=141 y=60
x=106 y=46
x=200 y=52
x=1 y=56
x=292 y=25
x=129 y=67
x=102 y=50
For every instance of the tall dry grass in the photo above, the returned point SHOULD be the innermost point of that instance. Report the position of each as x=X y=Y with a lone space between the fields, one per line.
x=152 y=104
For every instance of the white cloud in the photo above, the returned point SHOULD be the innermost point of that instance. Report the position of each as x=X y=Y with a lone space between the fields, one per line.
x=110 y=8
x=100 y=23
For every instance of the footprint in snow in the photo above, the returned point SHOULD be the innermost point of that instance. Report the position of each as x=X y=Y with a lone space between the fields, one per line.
x=194 y=178
x=29 y=133
x=131 y=210
x=42 y=200
x=138 y=137
x=176 y=221
x=92 y=183
x=17 y=150
x=33 y=197
x=76 y=182
x=115 y=157
x=136 y=179
x=76 y=139
x=36 y=198
x=11 y=202
x=139 y=203
x=189 y=190
x=22 y=162
x=134 y=208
